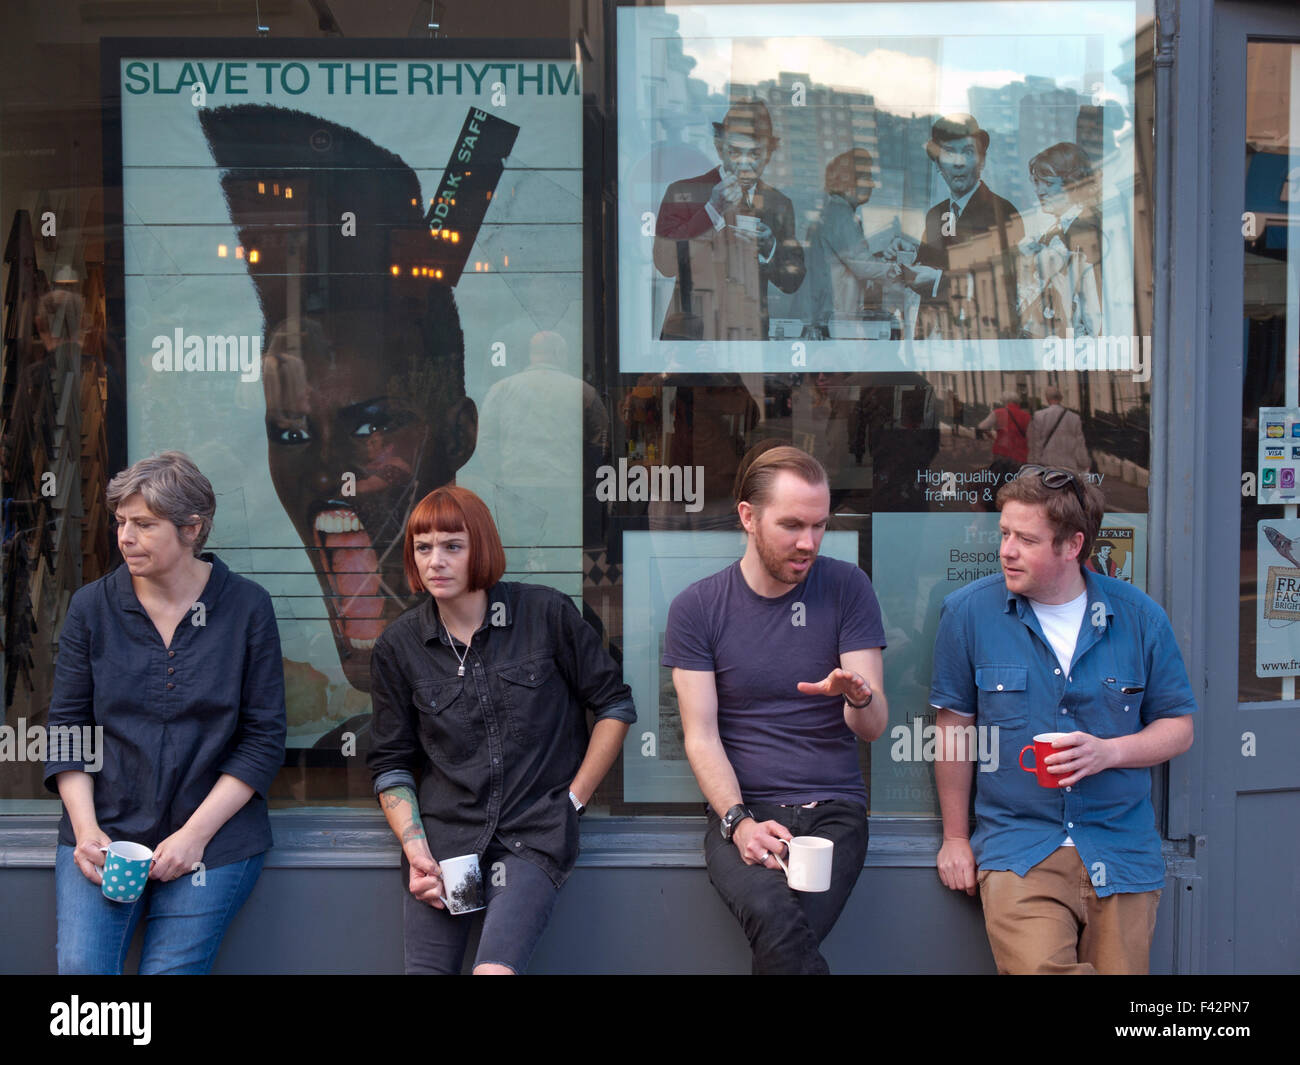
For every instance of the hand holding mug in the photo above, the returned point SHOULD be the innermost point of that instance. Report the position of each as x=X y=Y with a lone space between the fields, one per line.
x=810 y=862
x=726 y=193
x=426 y=876
x=903 y=248
x=89 y=855
x=757 y=840
x=1071 y=756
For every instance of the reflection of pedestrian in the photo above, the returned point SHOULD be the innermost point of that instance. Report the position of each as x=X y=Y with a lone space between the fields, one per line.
x=968 y=233
x=845 y=273
x=726 y=235
x=1059 y=271
x=903 y=433
x=1010 y=442
x=711 y=427
x=1056 y=435
x=527 y=447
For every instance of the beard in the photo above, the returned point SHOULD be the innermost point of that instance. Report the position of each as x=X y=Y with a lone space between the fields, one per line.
x=778 y=564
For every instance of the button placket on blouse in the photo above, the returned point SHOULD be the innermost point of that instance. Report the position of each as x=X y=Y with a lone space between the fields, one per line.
x=496 y=792
x=170 y=658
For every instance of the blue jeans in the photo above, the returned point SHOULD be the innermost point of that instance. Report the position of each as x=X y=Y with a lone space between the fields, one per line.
x=184 y=922
x=784 y=927
x=520 y=898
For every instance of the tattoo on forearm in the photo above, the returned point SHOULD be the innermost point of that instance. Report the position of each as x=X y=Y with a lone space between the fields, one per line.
x=402 y=795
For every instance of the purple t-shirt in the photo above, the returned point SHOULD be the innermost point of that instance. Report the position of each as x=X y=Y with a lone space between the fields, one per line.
x=784 y=746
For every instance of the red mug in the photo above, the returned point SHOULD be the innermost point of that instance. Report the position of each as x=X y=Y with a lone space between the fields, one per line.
x=1042 y=747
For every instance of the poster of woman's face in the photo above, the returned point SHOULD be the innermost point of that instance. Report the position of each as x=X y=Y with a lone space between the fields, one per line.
x=328 y=265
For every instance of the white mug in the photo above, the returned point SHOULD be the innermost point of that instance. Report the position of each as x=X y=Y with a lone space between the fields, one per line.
x=810 y=863
x=462 y=884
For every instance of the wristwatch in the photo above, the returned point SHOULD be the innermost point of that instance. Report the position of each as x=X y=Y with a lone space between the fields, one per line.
x=732 y=818
x=578 y=805
x=860 y=706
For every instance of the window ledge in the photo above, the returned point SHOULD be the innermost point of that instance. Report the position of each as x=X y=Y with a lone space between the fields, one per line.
x=361 y=839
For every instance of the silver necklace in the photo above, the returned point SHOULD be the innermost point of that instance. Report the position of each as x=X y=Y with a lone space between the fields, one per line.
x=459 y=657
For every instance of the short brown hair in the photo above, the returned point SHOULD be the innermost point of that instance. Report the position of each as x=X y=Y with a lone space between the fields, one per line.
x=173 y=488
x=758 y=470
x=454 y=509
x=1060 y=506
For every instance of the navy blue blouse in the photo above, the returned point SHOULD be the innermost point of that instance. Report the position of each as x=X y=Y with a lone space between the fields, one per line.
x=173 y=719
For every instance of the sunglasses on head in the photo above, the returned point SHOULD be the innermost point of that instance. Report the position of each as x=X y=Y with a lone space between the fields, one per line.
x=1054 y=478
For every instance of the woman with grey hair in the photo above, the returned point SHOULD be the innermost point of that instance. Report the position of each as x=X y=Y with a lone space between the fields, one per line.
x=169 y=667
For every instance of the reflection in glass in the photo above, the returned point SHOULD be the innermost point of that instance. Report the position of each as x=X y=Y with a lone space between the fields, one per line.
x=1270 y=630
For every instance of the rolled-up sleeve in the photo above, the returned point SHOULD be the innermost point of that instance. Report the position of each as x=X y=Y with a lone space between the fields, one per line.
x=72 y=703
x=394 y=747
x=952 y=683
x=593 y=673
x=1168 y=689
x=258 y=750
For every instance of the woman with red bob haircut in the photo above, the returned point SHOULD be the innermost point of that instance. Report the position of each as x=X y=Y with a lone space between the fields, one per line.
x=452 y=509
x=481 y=755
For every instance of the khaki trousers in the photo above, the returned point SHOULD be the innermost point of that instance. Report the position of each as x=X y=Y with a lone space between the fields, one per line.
x=1051 y=921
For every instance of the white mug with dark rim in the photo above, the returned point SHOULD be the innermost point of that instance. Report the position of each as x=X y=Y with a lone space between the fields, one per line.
x=462 y=884
x=810 y=863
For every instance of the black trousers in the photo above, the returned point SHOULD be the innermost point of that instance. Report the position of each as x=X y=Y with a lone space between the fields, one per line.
x=784 y=927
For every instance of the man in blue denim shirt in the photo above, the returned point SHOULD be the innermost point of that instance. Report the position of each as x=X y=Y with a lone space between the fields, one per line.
x=1069 y=876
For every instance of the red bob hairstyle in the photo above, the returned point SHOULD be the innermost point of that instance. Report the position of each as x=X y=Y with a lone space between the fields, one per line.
x=452 y=509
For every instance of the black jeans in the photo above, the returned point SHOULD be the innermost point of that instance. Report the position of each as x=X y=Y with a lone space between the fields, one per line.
x=520 y=898
x=785 y=928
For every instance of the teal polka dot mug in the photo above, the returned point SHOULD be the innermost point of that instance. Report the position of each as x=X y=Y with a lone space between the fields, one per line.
x=126 y=871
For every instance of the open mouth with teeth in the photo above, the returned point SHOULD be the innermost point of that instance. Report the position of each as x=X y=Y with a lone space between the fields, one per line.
x=360 y=602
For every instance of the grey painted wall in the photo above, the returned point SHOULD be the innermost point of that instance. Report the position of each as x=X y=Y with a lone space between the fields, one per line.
x=607 y=920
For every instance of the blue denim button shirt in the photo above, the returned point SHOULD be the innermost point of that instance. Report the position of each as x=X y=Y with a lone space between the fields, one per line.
x=991 y=660
x=174 y=718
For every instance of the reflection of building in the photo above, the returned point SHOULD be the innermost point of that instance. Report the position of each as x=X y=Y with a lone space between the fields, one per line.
x=1024 y=117
x=826 y=123
x=906 y=180
x=672 y=99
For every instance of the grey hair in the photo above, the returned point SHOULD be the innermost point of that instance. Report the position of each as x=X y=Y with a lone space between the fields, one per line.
x=173 y=488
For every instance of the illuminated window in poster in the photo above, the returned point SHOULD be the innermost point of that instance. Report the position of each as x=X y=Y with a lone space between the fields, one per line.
x=876 y=186
x=349 y=281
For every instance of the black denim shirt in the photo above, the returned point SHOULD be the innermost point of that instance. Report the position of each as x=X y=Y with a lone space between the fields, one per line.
x=496 y=749
x=174 y=718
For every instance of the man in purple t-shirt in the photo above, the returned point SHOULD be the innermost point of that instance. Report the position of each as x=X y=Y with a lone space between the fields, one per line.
x=775 y=753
